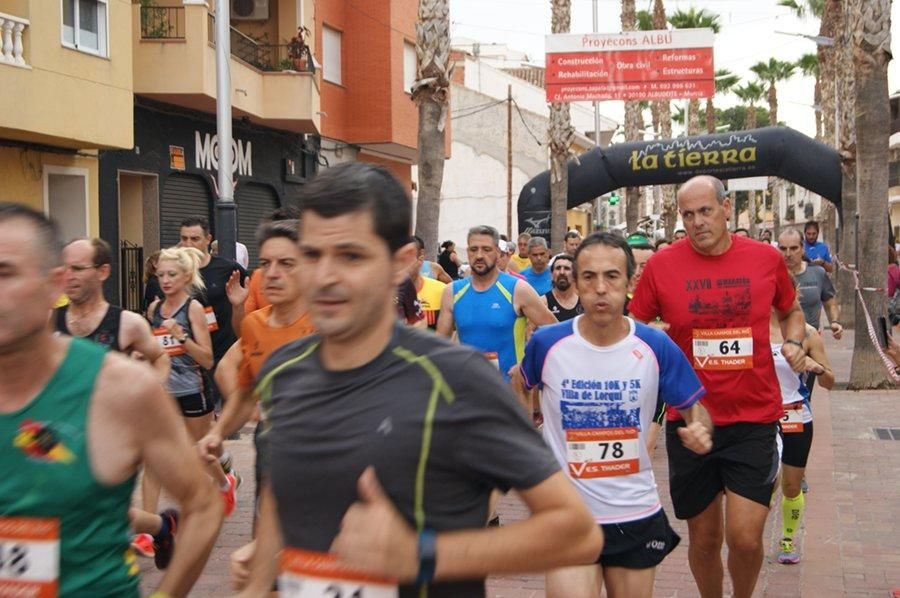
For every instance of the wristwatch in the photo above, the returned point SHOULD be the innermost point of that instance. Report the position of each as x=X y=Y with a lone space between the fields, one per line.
x=791 y=341
x=183 y=338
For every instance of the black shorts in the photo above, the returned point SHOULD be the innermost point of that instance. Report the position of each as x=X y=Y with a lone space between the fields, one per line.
x=659 y=416
x=796 y=446
x=638 y=544
x=196 y=405
x=744 y=459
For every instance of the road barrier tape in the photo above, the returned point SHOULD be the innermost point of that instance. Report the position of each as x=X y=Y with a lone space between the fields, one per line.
x=888 y=362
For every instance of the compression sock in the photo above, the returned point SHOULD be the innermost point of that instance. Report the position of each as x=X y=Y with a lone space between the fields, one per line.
x=164 y=528
x=791 y=514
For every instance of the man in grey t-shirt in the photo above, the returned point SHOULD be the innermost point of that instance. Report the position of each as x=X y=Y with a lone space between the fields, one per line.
x=385 y=442
x=815 y=289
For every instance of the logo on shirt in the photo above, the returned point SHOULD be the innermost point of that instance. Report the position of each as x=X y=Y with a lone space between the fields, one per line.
x=386 y=426
x=40 y=441
x=495 y=306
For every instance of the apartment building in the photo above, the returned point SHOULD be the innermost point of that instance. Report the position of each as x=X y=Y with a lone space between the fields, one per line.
x=66 y=76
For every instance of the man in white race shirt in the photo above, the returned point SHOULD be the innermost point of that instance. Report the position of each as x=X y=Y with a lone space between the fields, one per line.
x=600 y=375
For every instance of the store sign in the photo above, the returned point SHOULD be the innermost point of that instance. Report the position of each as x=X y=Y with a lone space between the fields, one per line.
x=176 y=157
x=634 y=65
x=206 y=154
x=536 y=223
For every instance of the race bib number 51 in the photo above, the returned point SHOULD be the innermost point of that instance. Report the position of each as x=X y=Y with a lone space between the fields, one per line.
x=29 y=557
x=308 y=574
x=723 y=348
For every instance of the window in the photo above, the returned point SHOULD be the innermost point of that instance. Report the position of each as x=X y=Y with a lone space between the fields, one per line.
x=66 y=199
x=331 y=55
x=409 y=66
x=84 y=25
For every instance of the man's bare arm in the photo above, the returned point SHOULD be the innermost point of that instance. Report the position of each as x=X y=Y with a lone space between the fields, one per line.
x=445 y=319
x=532 y=308
x=264 y=567
x=793 y=325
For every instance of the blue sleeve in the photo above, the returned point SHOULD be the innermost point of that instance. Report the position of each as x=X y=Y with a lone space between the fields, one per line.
x=826 y=253
x=538 y=348
x=679 y=386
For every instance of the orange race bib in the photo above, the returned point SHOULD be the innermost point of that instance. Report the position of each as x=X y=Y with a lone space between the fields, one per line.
x=309 y=574
x=211 y=322
x=602 y=452
x=792 y=421
x=723 y=348
x=168 y=342
x=29 y=557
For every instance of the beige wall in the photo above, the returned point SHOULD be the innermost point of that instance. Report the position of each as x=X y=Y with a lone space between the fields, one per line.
x=131 y=208
x=22 y=175
x=579 y=220
x=68 y=98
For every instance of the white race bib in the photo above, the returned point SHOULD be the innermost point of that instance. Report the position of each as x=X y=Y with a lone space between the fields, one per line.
x=602 y=453
x=211 y=322
x=723 y=348
x=792 y=421
x=494 y=359
x=29 y=557
x=308 y=574
x=169 y=343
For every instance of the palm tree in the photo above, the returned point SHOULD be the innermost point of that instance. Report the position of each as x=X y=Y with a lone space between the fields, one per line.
x=561 y=134
x=664 y=116
x=750 y=93
x=771 y=73
x=725 y=80
x=871 y=31
x=632 y=128
x=804 y=8
x=644 y=20
x=694 y=19
x=431 y=92
x=808 y=64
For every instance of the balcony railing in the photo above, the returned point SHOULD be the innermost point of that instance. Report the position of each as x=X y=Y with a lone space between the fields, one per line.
x=162 y=22
x=265 y=57
x=12 y=51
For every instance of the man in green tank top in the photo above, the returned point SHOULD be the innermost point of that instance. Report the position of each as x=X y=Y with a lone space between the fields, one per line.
x=75 y=423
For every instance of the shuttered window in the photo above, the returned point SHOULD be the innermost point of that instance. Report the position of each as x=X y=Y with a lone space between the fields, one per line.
x=183 y=195
x=255 y=203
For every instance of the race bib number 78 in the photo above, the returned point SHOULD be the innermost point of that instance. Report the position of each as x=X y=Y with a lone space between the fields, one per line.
x=723 y=348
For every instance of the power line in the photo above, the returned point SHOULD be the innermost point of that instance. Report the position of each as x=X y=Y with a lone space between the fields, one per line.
x=482 y=109
x=527 y=128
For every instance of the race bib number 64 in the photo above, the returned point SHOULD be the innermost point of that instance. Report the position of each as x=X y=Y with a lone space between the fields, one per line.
x=723 y=348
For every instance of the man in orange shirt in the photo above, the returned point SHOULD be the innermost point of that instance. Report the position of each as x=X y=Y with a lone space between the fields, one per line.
x=256 y=299
x=262 y=331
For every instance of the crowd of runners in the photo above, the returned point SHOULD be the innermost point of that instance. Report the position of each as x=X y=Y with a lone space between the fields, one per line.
x=396 y=398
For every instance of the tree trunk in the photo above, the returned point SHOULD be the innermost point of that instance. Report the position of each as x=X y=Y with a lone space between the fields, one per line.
x=693 y=116
x=710 y=116
x=431 y=92
x=846 y=126
x=561 y=135
x=665 y=132
x=871 y=53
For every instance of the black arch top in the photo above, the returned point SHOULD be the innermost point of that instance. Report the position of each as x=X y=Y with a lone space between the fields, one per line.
x=770 y=151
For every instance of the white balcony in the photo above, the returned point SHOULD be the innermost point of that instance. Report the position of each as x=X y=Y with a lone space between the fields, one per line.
x=12 y=51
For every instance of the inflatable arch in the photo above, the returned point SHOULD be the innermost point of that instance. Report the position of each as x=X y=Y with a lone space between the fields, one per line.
x=770 y=151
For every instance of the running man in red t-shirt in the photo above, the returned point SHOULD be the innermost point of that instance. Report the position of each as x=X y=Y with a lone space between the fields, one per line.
x=715 y=291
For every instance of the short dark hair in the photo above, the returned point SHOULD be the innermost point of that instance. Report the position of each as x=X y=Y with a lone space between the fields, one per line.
x=283 y=229
x=447 y=244
x=485 y=230
x=562 y=257
x=680 y=230
x=48 y=237
x=609 y=240
x=811 y=224
x=102 y=250
x=200 y=221
x=742 y=229
x=420 y=244
x=573 y=234
x=285 y=213
x=360 y=187
x=661 y=242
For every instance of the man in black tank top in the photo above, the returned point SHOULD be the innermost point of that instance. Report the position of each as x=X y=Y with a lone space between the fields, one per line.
x=562 y=299
x=88 y=315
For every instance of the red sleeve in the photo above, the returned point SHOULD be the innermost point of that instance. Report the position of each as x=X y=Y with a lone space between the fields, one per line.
x=785 y=292
x=644 y=305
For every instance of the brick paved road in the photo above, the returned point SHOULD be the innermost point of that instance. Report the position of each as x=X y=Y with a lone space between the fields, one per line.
x=850 y=540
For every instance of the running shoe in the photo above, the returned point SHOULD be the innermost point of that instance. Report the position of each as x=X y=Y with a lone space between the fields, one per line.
x=804 y=487
x=225 y=462
x=163 y=547
x=788 y=554
x=230 y=495
x=143 y=544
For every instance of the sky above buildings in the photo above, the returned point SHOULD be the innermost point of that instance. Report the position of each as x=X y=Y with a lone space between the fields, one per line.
x=747 y=37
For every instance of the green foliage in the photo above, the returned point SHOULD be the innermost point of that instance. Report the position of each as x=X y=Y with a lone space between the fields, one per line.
x=695 y=19
x=734 y=118
x=809 y=65
x=751 y=92
x=725 y=80
x=774 y=71
x=804 y=8
x=644 y=20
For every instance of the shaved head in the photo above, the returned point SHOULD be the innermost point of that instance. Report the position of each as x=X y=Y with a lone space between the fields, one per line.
x=704 y=183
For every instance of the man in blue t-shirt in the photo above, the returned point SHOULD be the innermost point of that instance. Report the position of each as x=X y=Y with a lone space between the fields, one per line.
x=538 y=275
x=816 y=251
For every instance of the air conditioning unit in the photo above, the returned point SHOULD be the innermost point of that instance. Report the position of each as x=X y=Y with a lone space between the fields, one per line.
x=250 y=10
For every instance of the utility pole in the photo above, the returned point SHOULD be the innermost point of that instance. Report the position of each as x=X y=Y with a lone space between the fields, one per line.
x=509 y=162
x=226 y=230
x=599 y=206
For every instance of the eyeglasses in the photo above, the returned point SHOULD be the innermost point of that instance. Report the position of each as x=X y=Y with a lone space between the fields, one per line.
x=78 y=269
